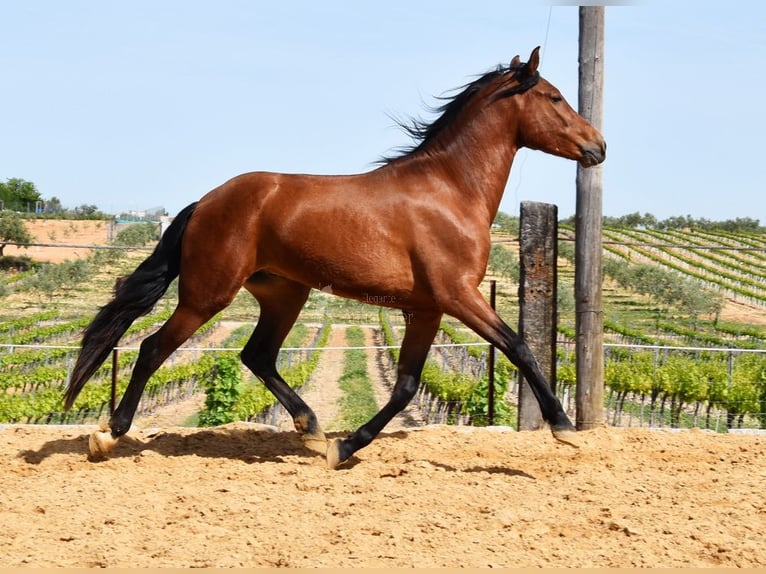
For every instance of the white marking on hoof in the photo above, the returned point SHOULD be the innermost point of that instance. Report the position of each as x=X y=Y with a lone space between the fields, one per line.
x=101 y=443
x=333 y=453
x=315 y=443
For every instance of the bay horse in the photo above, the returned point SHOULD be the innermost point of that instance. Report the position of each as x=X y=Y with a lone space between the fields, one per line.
x=411 y=234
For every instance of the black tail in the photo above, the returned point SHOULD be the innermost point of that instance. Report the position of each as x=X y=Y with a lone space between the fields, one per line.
x=134 y=296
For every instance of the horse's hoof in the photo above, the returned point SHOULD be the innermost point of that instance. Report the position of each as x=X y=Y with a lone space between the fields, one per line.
x=567 y=436
x=333 y=453
x=101 y=443
x=311 y=433
x=316 y=442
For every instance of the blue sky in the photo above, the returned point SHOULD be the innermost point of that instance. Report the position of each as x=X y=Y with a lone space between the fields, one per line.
x=134 y=105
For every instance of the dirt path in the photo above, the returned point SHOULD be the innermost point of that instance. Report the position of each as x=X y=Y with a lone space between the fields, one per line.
x=382 y=379
x=321 y=393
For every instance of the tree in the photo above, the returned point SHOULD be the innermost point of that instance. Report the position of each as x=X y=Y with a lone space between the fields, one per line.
x=52 y=277
x=506 y=223
x=53 y=205
x=137 y=234
x=86 y=209
x=19 y=195
x=503 y=262
x=12 y=230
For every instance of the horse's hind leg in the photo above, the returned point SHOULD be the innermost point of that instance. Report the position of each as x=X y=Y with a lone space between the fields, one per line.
x=281 y=301
x=418 y=336
x=153 y=351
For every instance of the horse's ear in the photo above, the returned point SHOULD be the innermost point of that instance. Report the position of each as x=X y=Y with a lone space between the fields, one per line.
x=516 y=61
x=534 y=61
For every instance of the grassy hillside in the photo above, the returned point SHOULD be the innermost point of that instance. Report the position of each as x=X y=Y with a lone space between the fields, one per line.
x=724 y=267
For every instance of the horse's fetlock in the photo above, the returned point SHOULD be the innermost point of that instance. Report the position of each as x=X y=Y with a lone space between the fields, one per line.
x=118 y=428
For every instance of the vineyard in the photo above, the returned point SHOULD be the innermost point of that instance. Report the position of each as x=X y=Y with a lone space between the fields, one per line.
x=685 y=327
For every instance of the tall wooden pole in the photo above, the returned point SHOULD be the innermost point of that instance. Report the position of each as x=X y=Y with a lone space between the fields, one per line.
x=589 y=314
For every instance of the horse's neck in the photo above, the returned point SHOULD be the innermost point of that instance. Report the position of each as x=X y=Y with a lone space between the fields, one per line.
x=474 y=163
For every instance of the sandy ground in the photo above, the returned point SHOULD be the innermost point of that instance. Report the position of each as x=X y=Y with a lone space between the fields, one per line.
x=244 y=495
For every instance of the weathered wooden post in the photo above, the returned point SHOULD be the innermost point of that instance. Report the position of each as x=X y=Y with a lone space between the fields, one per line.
x=589 y=312
x=538 y=250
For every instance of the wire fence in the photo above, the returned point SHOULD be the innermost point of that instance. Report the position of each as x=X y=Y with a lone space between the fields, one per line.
x=495 y=239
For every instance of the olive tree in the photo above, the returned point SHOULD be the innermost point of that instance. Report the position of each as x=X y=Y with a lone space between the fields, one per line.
x=12 y=230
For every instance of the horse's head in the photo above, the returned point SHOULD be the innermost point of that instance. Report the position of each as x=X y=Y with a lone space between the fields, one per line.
x=546 y=122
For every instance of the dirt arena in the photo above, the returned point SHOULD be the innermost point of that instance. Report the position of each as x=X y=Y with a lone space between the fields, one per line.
x=244 y=495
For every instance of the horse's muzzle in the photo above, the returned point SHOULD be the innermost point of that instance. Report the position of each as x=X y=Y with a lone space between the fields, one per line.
x=593 y=154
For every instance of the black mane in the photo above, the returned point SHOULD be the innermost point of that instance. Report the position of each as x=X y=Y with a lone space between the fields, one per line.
x=423 y=132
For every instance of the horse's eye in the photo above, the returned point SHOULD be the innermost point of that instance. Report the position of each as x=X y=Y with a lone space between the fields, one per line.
x=556 y=98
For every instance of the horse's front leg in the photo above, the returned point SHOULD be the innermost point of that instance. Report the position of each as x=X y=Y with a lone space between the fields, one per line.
x=418 y=336
x=470 y=307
